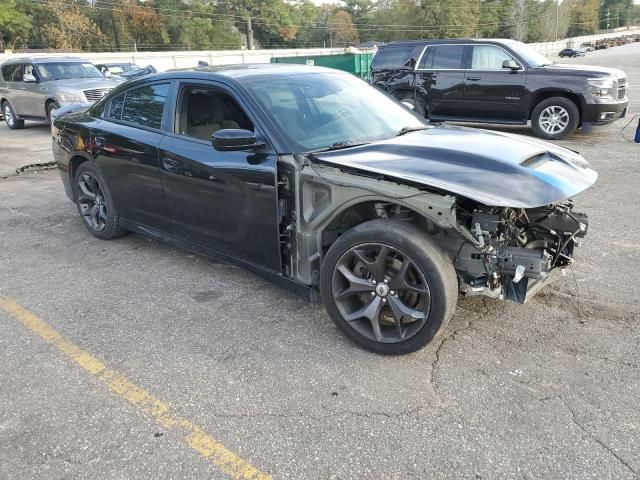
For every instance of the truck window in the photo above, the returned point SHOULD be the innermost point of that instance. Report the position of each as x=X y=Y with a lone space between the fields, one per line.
x=445 y=57
x=393 y=57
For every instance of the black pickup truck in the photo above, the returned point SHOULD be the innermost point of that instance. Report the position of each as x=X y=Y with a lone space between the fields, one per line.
x=499 y=81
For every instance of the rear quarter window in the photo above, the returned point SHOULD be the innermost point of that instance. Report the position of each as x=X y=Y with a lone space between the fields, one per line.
x=393 y=57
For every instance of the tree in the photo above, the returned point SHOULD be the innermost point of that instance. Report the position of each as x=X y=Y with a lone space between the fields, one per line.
x=141 y=22
x=583 y=17
x=69 y=28
x=14 y=25
x=341 y=30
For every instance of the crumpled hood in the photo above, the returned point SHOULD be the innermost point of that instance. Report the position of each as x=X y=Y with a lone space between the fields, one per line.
x=493 y=168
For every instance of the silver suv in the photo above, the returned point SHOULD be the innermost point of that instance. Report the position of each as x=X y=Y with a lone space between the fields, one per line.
x=31 y=88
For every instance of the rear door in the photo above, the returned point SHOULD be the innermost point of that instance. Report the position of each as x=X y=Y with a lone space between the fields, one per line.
x=492 y=92
x=393 y=69
x=226 y=201
x=125 y=145
x=440 y=80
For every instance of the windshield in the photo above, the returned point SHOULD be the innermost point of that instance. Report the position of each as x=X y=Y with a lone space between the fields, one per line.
x=67 y=70
x=321 y=110
x=117 y=69
x=530 y=55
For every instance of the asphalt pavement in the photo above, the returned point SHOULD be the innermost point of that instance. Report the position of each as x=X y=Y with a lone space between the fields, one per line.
x=132 y=359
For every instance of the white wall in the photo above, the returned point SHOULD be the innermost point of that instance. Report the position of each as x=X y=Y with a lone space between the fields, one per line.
x=168 y=60
x=549 y=48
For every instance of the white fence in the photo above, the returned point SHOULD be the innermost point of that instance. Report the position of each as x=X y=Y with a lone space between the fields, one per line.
x=552 y=48
x=167 y=60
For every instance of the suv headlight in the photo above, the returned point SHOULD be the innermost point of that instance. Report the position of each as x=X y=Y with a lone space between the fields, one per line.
x=70 y=97
x=603 y=87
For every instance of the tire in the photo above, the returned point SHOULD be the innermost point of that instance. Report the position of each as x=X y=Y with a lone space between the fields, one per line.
x=51 y=107
x=409 y=309
x=10 y=117
x=555 y=109
x=100 y=217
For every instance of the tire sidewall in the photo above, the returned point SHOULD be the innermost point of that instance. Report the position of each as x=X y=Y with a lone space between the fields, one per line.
x=568 y=105
x=429 y=258
x=111 y=228
x=17 y=124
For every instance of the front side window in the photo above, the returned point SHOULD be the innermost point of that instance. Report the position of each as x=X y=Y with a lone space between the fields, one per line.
x=315 y=111
x=144 y=106
x=442 y=57
x=488 y=57
x=67 y=70
x=205 y=110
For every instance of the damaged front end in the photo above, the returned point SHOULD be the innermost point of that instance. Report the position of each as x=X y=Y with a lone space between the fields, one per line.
x=509 y=253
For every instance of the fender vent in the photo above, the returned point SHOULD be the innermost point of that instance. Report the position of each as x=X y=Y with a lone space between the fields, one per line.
x=535 y=161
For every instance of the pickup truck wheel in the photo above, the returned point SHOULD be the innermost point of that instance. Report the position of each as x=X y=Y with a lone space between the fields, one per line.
x=10 y=117
x=388 y=287
x=555 y=118
x=95 y=204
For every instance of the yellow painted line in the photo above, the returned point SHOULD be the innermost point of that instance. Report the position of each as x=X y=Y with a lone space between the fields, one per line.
x=196 y=438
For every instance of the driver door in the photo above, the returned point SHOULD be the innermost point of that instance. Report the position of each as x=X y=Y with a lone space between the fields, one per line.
x=225 y=201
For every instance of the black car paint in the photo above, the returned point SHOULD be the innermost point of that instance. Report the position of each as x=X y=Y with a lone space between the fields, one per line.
x=226 y=204
x=492 y=96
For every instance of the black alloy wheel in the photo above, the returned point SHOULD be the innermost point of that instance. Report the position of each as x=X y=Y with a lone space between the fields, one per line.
x=388 y=287
x=94 y=202
x=381 y=292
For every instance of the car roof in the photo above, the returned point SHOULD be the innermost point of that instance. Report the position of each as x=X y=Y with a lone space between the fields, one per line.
x=44 y=60
x=451 y=41
x=243 y=71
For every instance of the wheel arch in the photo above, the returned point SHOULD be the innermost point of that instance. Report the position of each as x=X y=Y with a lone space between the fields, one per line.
x=542 y=95
x=74 y=162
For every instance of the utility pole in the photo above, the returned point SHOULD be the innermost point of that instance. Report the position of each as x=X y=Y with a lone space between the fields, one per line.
x=249 y=34
x=557 y=17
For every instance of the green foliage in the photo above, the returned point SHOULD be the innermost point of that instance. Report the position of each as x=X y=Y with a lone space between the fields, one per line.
x=14 y=25
x=228 y=24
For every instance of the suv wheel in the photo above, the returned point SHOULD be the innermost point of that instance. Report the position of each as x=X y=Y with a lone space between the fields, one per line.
x=388 y=287
x=10 y=117
x=555 y=118
x=95 y=204
x=50 y=108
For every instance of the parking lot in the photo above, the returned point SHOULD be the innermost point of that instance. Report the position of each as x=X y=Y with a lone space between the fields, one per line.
x=132 y=359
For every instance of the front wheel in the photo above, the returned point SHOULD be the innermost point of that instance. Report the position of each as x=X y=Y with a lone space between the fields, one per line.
x=388 y=287
x=555 y=118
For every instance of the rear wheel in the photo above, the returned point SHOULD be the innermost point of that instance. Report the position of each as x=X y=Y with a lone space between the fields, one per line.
x=95 y=204
x=388 y=287
x=10 y=117
x=555 y=118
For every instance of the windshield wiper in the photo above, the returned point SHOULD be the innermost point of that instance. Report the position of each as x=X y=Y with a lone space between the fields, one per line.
x=404 y=130
x=338 y=146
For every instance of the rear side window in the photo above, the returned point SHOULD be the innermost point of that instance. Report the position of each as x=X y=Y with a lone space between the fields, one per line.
x=442 y=57
x=13 y=72
x=142 y=106
x=393 y=57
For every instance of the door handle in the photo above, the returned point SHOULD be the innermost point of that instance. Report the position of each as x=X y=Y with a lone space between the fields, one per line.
x=474 y=79
x=170 y=165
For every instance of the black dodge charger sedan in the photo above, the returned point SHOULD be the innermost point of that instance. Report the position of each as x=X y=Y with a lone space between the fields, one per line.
x=317 y=181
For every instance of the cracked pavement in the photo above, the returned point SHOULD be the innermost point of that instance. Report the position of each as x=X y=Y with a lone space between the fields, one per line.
x=546 y=390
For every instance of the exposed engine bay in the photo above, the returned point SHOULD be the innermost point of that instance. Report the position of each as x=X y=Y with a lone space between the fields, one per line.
x=513 y=249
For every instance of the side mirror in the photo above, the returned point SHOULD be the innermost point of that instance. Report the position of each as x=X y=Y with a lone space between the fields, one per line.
x=107 y=73
x=230 y=139
x=29 y=78
x=511 y=64
x=408 y=105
